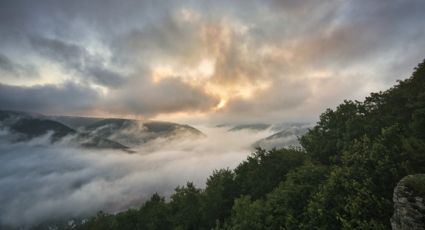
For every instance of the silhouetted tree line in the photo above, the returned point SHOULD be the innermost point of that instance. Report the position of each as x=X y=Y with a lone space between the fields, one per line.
x=342 y=178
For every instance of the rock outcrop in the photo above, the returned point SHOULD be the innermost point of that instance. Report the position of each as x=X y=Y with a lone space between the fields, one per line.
x=409 y=203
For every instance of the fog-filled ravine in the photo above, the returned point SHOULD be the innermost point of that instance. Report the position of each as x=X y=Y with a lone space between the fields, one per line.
x=54 y=171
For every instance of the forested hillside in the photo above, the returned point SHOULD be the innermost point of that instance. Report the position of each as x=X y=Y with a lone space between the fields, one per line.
x=342 y=178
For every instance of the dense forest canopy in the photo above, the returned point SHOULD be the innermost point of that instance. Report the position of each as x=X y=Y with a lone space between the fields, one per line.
x=342 y=178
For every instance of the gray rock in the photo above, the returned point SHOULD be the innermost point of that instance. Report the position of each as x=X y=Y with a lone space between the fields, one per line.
x=409 y=203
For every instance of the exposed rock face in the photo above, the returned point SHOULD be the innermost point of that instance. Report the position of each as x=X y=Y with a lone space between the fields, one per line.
x=409 y=203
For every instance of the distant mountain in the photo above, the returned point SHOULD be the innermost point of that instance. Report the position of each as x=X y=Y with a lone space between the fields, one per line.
x=34 y=127
x=285 y=134
x=284 y=138
x=261 y=126
x=92 y=132
x=255 y=127
x=75 y=122
x=133 y=132
x=238 y=127
x=287 y=125
x=26 y=126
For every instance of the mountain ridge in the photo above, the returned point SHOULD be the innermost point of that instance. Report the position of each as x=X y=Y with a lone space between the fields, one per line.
x=89 y=131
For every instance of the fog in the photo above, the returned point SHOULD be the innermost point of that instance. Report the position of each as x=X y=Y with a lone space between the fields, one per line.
x=40 y=181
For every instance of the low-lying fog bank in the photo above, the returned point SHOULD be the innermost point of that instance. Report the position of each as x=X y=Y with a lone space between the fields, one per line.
x=40 y=181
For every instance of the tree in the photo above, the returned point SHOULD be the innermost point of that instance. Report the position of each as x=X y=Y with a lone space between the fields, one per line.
x=264 y=170
x=358 y=193
x=218 y=197
x=155 y=214
x=247 y=214
x=286 y=205
x=185 y=207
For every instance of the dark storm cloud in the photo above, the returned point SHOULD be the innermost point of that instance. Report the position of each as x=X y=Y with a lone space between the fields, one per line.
x=6 y=64
x=76 y=58
x=10 y=69
x=48 y=98
x=165 y=38
x=60 y=51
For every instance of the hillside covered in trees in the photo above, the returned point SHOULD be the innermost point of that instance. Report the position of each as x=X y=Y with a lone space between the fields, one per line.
x=343 y=177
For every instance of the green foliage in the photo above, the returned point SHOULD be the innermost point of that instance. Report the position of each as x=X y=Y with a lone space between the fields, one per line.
x=343 y=179
x=185 y=207
x=154 y=214
x=264 y=170
x=416 y=183
x=247 y=214
x=286 y=205
x=102 y=221
x=358 y=193
x=334 y=132
x=218 y=197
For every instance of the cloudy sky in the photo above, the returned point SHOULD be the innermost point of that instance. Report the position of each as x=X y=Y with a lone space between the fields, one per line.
x=203 y=61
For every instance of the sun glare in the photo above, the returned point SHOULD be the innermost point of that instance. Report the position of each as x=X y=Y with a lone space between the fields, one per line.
x=221 y=104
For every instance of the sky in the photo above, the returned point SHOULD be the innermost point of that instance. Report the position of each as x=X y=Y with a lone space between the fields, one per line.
x=204 y=61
